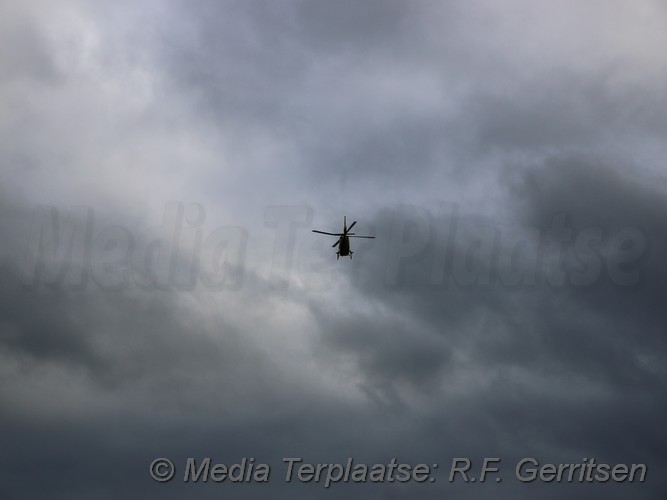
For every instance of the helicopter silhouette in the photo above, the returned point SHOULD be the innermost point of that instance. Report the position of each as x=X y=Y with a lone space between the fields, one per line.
x=343 y=242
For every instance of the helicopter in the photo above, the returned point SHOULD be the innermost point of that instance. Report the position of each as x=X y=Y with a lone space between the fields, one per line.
x=344 y=239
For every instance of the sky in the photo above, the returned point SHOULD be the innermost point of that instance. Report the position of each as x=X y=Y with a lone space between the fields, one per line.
x=163 y=296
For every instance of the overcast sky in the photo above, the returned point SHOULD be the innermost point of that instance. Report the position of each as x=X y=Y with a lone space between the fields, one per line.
x=162 y=294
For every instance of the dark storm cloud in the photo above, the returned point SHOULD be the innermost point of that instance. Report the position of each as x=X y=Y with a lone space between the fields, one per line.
x=405 y=90
x=96 y=384
x=540 y=316
x=393 y=352
x=129 y=375
x=341 y=86
x=594 y=196
x=574 y=366
x=423 y=347
x=567 y=110
x=116 y=336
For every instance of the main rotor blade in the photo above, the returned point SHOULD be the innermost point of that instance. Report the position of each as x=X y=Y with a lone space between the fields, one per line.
x=371 y=237
x=330 y=234
x=351 y=226
x=337 y=242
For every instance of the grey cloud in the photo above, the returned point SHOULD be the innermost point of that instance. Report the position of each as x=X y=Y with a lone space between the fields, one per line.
x=422 y=347
x=25 y=52
x=527 y=355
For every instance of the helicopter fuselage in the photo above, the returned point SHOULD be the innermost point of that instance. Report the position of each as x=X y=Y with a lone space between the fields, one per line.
x=344 y=246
